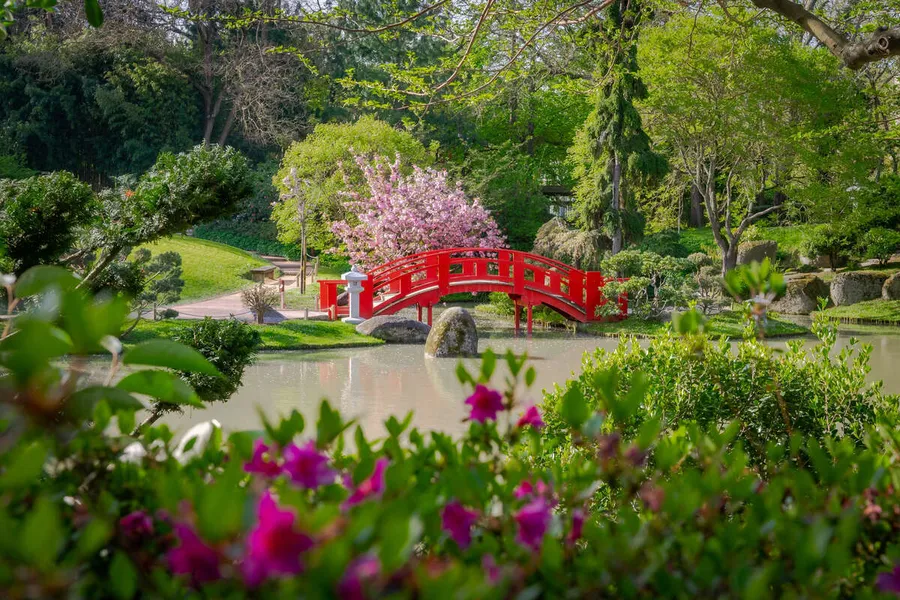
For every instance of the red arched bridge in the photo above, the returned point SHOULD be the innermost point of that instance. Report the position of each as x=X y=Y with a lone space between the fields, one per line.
x=422 y=279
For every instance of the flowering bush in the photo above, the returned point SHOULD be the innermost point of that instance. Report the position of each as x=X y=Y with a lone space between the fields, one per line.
x=408 y=214
x=291 y=512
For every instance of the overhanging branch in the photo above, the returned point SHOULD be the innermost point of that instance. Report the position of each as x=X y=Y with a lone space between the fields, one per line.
x=880 y=45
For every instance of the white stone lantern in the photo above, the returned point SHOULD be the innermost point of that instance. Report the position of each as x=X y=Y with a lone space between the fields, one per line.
x=354 y=281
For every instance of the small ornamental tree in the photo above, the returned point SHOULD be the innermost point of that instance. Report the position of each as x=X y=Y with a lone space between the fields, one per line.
x=403 y=215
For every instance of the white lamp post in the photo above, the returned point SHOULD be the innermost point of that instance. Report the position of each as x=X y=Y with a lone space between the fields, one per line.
x=354 y=281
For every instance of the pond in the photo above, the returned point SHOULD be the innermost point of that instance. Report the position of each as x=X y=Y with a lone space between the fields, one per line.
x=372 y=384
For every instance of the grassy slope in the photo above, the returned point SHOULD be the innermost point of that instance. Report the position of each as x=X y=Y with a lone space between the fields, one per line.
x=210 y=269
x=788 y=238
x=726 y=323
x=880 y=311
x=290 y=335
x=293 y=299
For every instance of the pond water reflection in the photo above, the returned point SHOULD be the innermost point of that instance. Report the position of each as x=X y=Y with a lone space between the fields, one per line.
x=373 y=383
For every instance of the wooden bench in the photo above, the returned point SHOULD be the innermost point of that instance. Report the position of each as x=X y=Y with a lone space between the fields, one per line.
x=259 y=274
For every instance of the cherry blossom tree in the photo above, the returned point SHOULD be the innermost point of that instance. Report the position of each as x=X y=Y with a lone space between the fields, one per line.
x=405 y=214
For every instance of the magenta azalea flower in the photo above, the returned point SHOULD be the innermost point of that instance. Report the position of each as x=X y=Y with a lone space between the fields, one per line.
x=457 y=520
x=577 y=526
x=274 y=547
x=485 y=403
x=364 y=568
x=193 y=557
x=262 y=461
x=533 y=520
x=136 y=524
x=526 y=489
x=532 y=417
x=889 y=583
x=306 y=466
x=491 y=570
x=372 y=486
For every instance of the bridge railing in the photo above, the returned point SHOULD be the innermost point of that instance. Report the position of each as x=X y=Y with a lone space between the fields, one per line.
x=424 y=278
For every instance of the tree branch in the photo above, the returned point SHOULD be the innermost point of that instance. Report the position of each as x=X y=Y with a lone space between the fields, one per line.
x=855 y=55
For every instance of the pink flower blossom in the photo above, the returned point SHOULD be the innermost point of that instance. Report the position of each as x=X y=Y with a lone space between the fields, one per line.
x=136 y=524
x=532 y=417
x=193 y=557
x=403 y=215
x=485 y=403
x=262 y=462
x=306 y=466
x=457 y=520
x=577 y=526
x=533 y=520
x=372 y=486
x=526 y=489
x=363 y=569
x=491 y=570
x=889 y=583
x=274 y=546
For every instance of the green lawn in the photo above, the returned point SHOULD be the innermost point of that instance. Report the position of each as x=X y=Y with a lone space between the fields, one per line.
x=294 y=300
x=728 y=323
x=874 y=311
x=290 y=335
x=788 y=238
x=210 y=269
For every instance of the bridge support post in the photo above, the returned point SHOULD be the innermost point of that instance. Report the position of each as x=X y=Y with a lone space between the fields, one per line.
x=419 y=313
x=530 y=320
x=517 y=316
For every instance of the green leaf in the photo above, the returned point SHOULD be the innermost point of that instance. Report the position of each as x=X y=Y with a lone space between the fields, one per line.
x=462 y=374
x=162 y=385
x=122 y=577
x=91 y=538
x=488 y=364
x=24 y=465
x=41 y=535
x=166 y=353
x=290 y=428
x=39 y=279
x=530 y=375
x=574 y=409
x=330 y=425
x=93 y=12
x=81 y=403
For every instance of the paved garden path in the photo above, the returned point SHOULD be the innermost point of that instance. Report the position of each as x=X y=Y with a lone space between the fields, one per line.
x=230 y=305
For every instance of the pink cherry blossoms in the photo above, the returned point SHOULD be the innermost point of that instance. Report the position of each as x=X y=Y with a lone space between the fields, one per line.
x=403 y=215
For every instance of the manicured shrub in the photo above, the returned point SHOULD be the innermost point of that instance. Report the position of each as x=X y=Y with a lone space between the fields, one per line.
x=229 y=345
x=39 y=217
x=665 y=243
x=597 y=498
x=880 y=243
x=831 y=241
x=773 y=394
x=655 y=283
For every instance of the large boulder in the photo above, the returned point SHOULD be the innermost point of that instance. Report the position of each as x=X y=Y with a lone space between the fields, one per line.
x=756 y=251
x=891 y=288
x=801 y=296
x=394 y=329
x=823 y=262
x=454 y=334
x=857 y=286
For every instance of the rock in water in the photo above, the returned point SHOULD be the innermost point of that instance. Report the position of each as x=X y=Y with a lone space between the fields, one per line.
x=454 y=334
x=857 y=286
x=756 y=251
x=802 y=295
x=891 y=289
x=395 y=330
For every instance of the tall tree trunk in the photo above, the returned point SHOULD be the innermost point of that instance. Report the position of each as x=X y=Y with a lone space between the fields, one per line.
x=615 y=203
x=729 y=258
x=696 y=207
